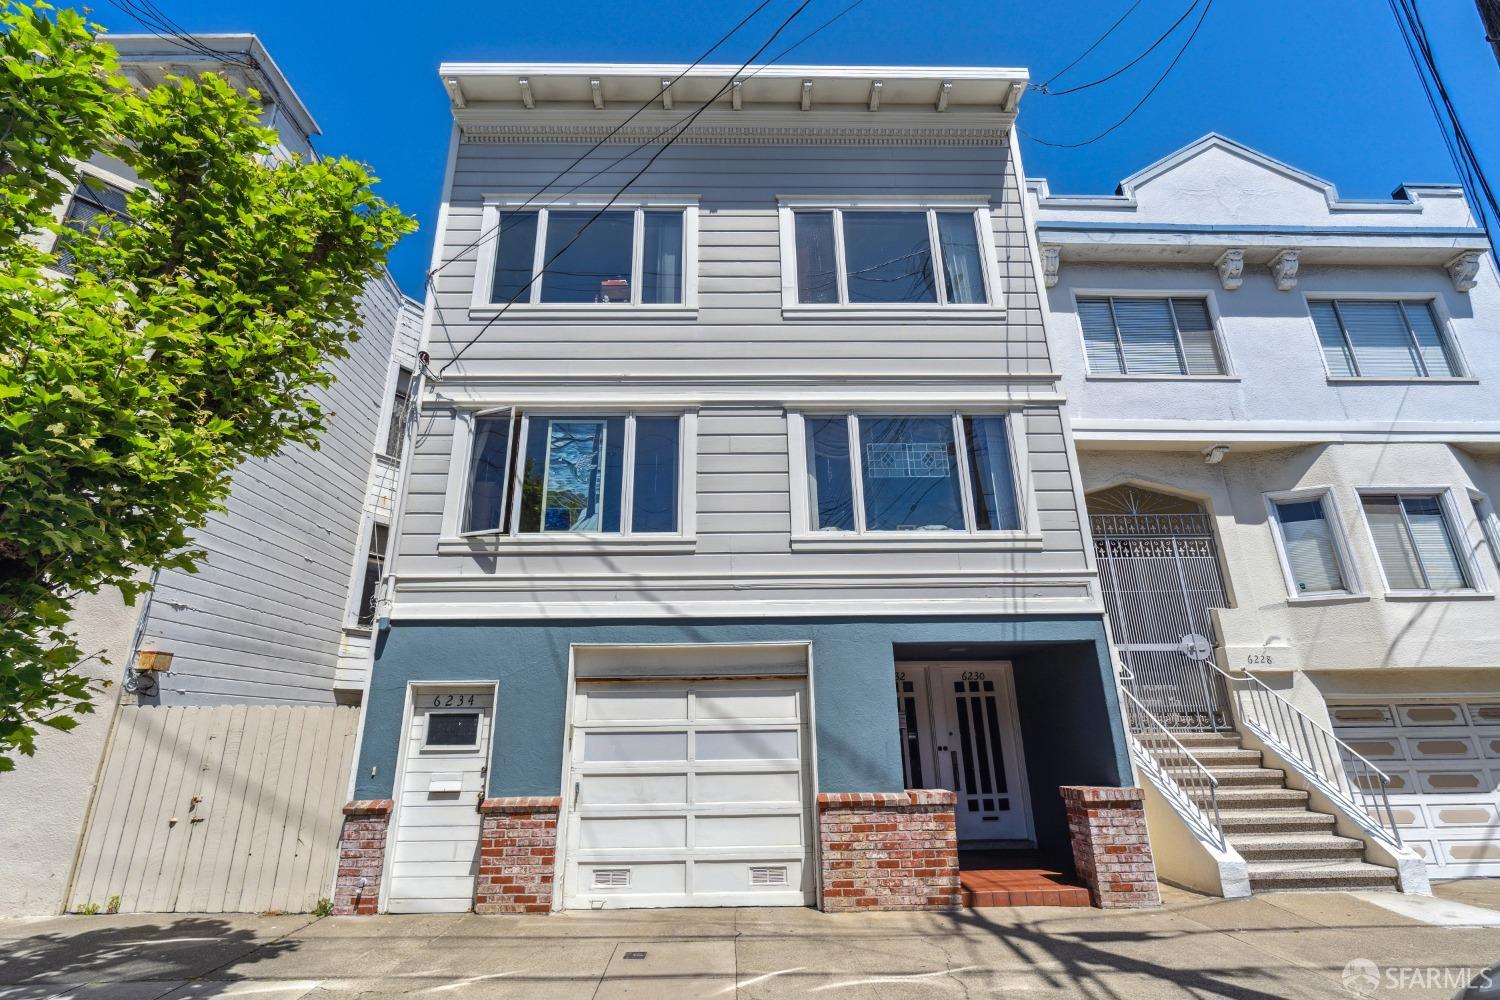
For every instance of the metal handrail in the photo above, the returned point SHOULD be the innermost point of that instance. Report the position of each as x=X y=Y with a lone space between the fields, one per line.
x=1175 y=766
x=1328 y=758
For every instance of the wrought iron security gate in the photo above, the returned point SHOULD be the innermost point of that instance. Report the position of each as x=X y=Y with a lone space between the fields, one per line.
x=1159 y=576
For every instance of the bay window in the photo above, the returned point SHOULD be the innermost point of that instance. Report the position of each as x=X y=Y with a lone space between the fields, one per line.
x=903 y=474
x=540 y=474
x=586 y=253
x=887 y=256
x=1416 y=543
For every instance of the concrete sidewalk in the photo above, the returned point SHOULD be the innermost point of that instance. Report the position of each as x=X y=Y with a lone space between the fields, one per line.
x=1273 y=946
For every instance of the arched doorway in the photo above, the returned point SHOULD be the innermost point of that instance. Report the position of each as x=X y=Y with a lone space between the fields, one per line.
x=1159 y=575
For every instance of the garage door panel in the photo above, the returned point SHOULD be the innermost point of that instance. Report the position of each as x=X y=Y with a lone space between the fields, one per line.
x=1431 y=715
x=621 y=881
x=742 y=876
x=1440 y=747
x=625 y=747
x=772 y=706
x=748 y=831
x=602 y=704
x=624 y=789
x=1484 y=714
x=1377 y=749
x=747 y=744
x=599 y=833
x=431 y=850
x=739 y=786
x=1466 y=782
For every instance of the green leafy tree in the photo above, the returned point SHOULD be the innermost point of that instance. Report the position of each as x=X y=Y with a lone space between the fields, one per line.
x=179 y=342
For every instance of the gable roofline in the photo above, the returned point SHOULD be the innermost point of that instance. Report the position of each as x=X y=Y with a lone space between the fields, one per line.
x=1405 y=198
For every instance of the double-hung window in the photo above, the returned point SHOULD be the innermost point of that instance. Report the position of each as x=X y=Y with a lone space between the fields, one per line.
x=1414 y=537
x=93 y=208
x=587 y=253
x=1129 y=335
x=896 y=474
x=585 y=474
x=1383 y=339
x=1312 y=546
x=887 y=256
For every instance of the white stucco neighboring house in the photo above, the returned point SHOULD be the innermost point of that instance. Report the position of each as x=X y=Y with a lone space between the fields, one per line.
x=1287 y=409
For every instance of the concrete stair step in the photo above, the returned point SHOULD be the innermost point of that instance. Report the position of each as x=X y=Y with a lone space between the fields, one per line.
x=1247 y=777
x=1229 y=740
x=1283 y=875
x=1279 y=821
x=1212 y=757
x=1287 y=846
x=1232 y=798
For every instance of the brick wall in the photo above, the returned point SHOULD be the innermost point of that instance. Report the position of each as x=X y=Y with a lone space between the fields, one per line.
x=888 y=851
x=517 y=851
x=1110 y=848
x=361 y=856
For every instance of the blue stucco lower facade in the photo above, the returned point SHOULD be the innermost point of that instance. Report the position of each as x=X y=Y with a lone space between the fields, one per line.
x=1066 y=697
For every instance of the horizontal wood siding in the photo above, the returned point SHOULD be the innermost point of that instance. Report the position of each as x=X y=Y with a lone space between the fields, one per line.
x=224 y=809
x=261 y=619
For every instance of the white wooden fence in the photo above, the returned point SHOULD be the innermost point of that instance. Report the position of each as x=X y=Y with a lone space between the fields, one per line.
x=225 y=809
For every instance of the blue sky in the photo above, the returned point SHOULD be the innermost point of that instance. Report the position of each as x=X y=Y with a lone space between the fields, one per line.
x=1322 y=84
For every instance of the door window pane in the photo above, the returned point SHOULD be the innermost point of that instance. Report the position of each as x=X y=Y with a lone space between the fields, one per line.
x=910 y=474
x=830 y=482
x=654 y=490
x=817 y=263
x=488 y=473
x=588 y=261
x=888 y=257
x=452 y=729
x=1310 y=552
x=661 y=263
x=991 y=473
x=514 y=256
x=963 y=267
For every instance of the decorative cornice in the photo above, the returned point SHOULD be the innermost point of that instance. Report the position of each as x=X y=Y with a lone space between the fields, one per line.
x=733 y=134
x=1231 y=265
x=1464 y=270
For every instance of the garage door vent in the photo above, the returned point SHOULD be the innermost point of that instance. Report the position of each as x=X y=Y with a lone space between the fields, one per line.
x=611 y=878
x=768 y=874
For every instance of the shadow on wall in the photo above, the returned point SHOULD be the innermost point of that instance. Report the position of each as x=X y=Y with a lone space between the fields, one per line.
x=135 y=948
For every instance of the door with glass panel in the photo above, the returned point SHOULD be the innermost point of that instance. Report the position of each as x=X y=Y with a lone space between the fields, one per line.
x=959 y=731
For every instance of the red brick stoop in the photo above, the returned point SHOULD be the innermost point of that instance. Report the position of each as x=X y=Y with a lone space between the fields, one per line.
x=517 y=854
x=361 y=856
x=1111 y=850
x=888 y=850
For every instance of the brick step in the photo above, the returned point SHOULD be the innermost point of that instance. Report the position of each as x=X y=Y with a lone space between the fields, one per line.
x=1287 y=846
x=1284 y=821
x=1233 y=798
x=1248 y=777
x=1325 y=875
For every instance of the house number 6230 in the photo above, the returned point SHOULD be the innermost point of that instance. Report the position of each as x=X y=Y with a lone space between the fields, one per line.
x=973 y=675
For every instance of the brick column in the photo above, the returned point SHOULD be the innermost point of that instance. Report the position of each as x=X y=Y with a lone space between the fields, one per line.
x=888 y=851
x=1110 y=848
x=361 y=856
x=517 y=851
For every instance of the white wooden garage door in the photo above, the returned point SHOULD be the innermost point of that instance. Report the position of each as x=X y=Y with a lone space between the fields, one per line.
x=688 y=794
x=435 y=855
x=1443 y=759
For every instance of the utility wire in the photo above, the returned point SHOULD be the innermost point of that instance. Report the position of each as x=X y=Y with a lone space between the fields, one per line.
x=1042 y=87
x=156 y=22
x=685 y=125
x=1130 y=65
x=1207 y=6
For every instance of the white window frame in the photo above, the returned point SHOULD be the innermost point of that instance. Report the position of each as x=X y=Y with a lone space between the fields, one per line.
x=806 y=538
x=508 y=535
x=789 y=205
x=1354 y=585
x=1221 y=342
x=1478 y=580
x=48 y=241
x=481 y=306
x=1440 y=317
x=1489 y=525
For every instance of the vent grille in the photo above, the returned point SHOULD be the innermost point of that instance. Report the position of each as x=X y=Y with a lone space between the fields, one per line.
x=611 y=878
x=768 y=874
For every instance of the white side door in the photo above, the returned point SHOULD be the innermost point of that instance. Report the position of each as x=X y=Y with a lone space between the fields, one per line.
x=435 y=849
x=688 y=794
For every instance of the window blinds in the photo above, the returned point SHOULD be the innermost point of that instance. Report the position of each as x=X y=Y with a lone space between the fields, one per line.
x=1149 y=336
x=1414 y=542
x=1310 y=552
x=1388 y=339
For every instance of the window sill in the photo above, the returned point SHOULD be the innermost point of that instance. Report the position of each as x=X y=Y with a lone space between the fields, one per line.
x=513 y=545
x=1401 y=380
x=1302 y=600
x=1107 y=377
x=610 y=313
x=1439 y=595
x=359 y=631
x=928 y=541
x=956 y=314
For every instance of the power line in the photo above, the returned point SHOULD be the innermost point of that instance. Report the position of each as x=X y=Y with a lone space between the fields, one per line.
x=786 y=22
x=156 y=22
x=1207 y=6
x=1042 y=87
x=1134 y=62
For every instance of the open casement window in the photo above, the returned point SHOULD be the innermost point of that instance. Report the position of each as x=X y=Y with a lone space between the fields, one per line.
x=1149 y=336
x=1383 y=339
x=890 y=257
x=585 y=255
x=1416 y=542
x=586 y=474
x=95 y=204
x=874 y=474
x=1311 y=545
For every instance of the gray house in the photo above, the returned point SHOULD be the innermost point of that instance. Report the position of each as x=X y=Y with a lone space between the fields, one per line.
x=739 y=519
x=215 y=785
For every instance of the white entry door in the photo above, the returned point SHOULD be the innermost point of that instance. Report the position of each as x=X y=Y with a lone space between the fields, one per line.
x=435 y=851
x=688 y=794
x=960 y=732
